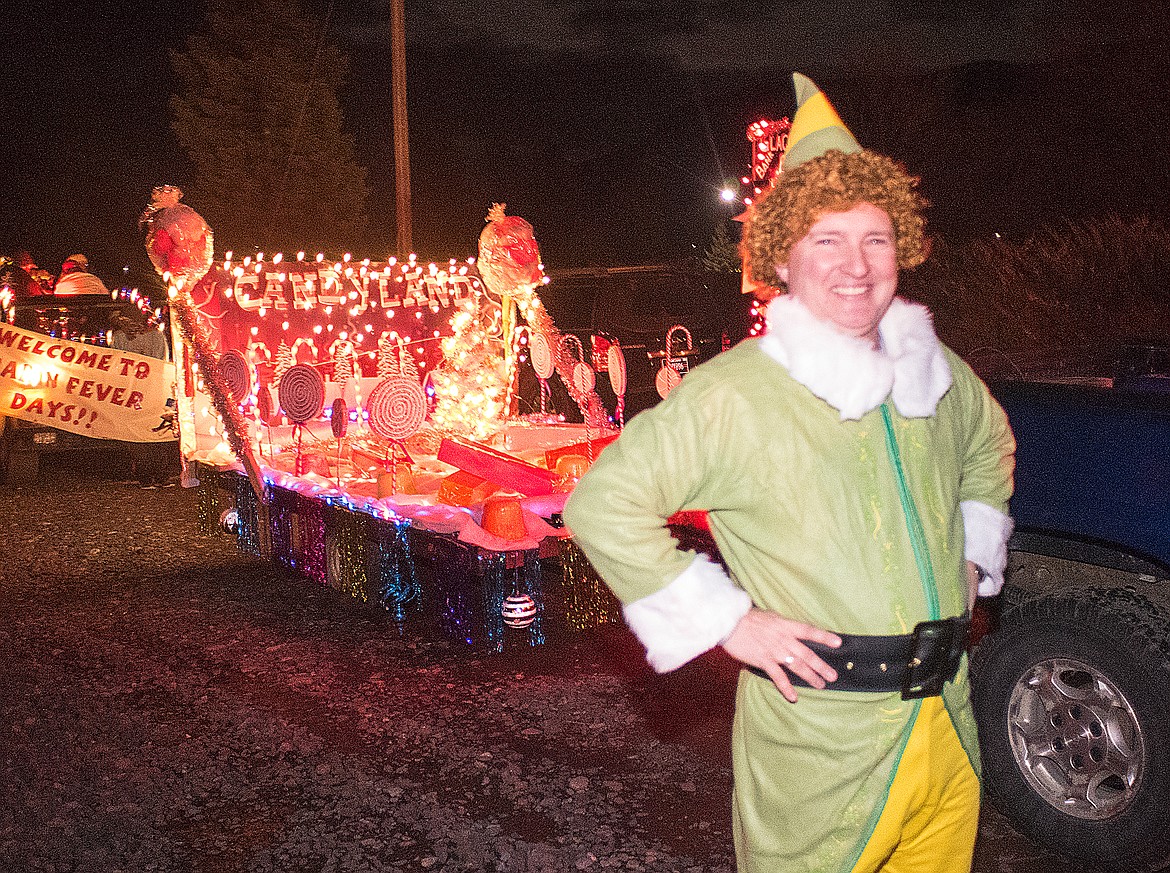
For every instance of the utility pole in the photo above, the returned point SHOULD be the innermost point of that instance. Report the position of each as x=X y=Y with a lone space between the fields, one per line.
x=401 y=137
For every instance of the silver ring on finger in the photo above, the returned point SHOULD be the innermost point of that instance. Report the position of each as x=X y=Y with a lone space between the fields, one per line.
x=789 y=660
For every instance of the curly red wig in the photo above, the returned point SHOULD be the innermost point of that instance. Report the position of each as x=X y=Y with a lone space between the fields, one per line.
x=833 y=182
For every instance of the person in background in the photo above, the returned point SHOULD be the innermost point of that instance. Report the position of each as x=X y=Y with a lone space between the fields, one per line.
x=75 y=278
x=40 y=280
x=856 y=476
x=23 y=277
x=132 y=332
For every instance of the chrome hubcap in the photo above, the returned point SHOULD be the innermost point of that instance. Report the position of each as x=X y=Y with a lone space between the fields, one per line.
x=1076 y=739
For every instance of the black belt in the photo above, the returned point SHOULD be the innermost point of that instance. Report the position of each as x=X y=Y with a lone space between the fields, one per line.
x=918 y=664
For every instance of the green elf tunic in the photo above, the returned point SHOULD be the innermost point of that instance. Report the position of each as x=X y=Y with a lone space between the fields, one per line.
x=782 y=440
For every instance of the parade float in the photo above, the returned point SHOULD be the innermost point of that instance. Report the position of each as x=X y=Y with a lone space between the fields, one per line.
x=359 y=422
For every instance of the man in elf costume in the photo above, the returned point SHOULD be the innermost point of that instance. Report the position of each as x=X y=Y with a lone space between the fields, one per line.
x=856 y=475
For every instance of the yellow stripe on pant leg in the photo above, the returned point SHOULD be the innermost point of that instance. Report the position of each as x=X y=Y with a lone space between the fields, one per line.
x=931 y=813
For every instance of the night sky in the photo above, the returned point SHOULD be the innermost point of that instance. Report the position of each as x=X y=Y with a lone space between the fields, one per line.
x=611 y=125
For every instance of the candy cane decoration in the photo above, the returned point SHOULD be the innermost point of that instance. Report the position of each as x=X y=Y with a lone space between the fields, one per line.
x=259 y=353
x=583 y=380
x=541 y=322
x=668 y=377
x=296 y=347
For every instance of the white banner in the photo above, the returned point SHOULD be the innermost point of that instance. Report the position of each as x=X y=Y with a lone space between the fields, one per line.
x=89 y=390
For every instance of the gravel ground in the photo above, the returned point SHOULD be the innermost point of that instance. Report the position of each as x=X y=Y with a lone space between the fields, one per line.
x=168 y=704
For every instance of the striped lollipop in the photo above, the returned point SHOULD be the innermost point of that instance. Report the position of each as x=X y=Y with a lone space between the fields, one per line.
x=236 y=374
x=542 y=359
x=397 y=407
x=301 y=393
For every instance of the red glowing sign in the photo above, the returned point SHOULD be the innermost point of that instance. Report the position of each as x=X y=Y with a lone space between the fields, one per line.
x=769 y=140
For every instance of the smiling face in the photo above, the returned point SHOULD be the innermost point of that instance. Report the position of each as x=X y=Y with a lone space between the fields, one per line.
x=845 y=269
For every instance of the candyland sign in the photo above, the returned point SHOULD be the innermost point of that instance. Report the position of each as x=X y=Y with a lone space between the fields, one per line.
x=314 y=307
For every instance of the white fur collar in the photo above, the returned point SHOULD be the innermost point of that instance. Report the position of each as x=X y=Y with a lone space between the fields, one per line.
x=848 y=373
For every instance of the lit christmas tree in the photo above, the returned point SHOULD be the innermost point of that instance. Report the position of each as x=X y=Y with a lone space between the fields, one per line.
x=471 y=385
x=284 y=360
x=343 y=361
x=387 y=358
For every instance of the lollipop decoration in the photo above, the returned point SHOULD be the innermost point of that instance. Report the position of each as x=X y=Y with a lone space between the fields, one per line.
x=508 y=255
x=582 y=378
x=542 y=363
x=509 y=264
x=397 y=408
x=180 y=245
x=178 y=240
x=666 y=380
x=302 y=397
x=339 y=424
x=583 y=381
x=616 y=359
x=236 y=374
x=301 y=393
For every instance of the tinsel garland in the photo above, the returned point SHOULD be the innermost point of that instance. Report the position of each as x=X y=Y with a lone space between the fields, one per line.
x=281 y=509
x=449 y=573
x=252 y=534
x=588 y=601
x=493 y=585
x=309 y=544
x=348 y=535
x=416 y=573
x=528 y=581
x=234 y=427
x=210 y=502
x=397 y=581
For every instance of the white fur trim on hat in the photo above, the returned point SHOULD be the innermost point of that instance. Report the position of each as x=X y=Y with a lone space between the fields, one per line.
x=694 y=613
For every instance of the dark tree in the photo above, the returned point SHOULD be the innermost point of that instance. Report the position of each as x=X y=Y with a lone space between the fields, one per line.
x=259 y=117
x=722 y=254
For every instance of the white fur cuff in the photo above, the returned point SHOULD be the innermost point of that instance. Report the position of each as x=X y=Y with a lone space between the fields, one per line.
x=987 y=531
x=694 y=613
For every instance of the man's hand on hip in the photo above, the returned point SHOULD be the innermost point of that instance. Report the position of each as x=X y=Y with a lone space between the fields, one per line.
x=774 y=644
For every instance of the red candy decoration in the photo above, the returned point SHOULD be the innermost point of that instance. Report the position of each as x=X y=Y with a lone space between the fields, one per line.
x=339 y=420
x=397 y=407
x=302 y=393
x=236 y=375
x=264 y=404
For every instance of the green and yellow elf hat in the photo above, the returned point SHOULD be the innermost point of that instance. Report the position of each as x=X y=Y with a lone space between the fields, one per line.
x=816 y=126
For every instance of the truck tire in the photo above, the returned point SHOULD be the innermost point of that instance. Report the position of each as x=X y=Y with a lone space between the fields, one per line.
x=1072 y=699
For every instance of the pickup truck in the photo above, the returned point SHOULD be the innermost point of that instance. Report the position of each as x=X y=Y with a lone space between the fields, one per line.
x=1072 y=688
